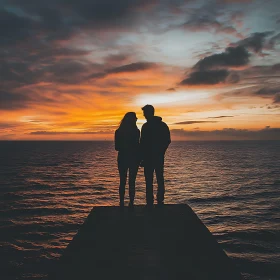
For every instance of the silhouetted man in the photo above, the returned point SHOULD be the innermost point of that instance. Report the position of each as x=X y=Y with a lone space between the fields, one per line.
x=154 y=141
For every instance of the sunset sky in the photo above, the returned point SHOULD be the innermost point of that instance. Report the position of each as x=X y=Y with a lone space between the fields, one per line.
x=70 y=69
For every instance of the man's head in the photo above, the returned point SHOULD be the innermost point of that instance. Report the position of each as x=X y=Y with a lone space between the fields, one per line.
x=148 y=111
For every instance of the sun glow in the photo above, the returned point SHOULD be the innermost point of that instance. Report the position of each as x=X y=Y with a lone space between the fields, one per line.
x=193 y=97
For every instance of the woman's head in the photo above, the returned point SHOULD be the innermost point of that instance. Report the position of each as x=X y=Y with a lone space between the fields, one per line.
x=129 y=120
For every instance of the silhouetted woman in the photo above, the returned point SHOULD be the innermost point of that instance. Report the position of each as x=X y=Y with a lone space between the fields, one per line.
x=127 y=144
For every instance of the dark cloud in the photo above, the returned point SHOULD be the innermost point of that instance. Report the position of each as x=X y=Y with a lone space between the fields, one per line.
x=66 y=72
x=133 y=67
x=271 y=92
x=235 y=1
x=218 y=68
x=276 y=98
x=129 y=68
x=8 y=125
x=67 y=16
x=273 y=41
x=268 y=91
x=207 y=18
x=255 y=42
x=13 y=101
x=117 y=58
x=229 y=134
x=193 y=122
x=276 y=67
x=232 y=57
x=47 y=65
x=33 y=36
x=210 y=77
x=206 y=23
x=15 y=73
x=13 y=28
x=260 y=72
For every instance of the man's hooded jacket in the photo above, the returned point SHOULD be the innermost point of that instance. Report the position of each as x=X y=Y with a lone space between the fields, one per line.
x=155 y=138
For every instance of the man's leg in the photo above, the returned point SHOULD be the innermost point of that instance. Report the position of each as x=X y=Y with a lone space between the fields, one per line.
x=149 y=175
x=160 y=180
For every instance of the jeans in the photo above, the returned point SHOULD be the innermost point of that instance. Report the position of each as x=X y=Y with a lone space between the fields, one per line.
x=154 y=165
x=130 y=166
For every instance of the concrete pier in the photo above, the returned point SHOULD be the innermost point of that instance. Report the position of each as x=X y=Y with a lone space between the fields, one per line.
x=163 y=243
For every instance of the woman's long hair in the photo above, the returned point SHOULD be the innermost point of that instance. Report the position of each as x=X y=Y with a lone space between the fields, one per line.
x=128 y=122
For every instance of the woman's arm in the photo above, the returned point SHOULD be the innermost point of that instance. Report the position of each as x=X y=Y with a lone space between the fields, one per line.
x=117 y=141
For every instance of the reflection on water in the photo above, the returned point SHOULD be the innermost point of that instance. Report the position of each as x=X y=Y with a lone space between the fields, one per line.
x=48 y=188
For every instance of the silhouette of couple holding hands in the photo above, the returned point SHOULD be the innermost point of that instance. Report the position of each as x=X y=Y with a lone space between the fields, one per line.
x=147 y=151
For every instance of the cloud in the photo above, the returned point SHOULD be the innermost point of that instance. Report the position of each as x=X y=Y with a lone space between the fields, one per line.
x=276 y=98
x=255 y=42
x=235 y=1
x=229 y=134
x=120 y=58
x=223 y=67
x=220 y=117
x=207 y=18
x=8 y=125
x=67 y=72
x=268 y=91
x=210 y=77
x=232 y=57
x=13 y=28
x=129 y=68
x=276 y=67
x=61 y=19
x=273 y=41
x=69 y=132
x=133 y=67
x=13 y=101
x=193 y=122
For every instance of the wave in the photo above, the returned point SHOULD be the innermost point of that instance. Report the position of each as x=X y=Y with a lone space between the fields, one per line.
x=261 y=235
x=233 y=198
x=40 y=211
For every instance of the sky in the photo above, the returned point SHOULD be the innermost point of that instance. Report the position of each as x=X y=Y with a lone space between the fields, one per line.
x=71 y=69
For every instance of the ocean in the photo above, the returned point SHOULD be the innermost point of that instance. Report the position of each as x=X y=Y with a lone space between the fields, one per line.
x=48 y=188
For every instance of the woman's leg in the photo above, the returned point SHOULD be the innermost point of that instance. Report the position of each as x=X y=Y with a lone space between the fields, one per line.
x=123 y=175
x=133 y=169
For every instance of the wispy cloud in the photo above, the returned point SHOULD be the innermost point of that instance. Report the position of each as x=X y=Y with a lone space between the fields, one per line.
x=193 y=122
x=229 y=134
x=220 y=117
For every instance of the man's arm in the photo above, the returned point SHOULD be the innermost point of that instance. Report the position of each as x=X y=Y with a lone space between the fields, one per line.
x=143 y=141
x=167 y=136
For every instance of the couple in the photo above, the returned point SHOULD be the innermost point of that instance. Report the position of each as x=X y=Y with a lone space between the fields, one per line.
x=147 y=151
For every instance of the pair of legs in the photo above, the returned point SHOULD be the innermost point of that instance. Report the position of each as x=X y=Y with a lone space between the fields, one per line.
x=154 y=165
x=131 y=168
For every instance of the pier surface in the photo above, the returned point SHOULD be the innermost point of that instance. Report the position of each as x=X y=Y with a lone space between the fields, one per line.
x=164 y=243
